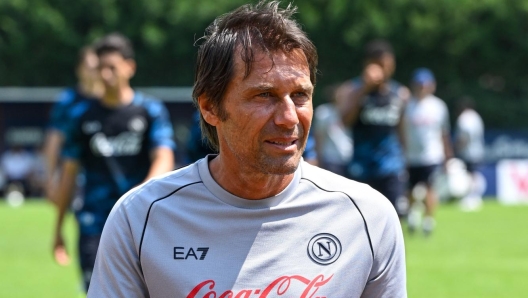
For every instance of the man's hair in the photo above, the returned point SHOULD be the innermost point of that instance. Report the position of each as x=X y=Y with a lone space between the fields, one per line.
x=263 y=27
x=114 y=42
x=375 y=49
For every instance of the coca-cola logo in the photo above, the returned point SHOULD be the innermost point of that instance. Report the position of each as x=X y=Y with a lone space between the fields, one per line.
x=324 y=248
x=279 y=287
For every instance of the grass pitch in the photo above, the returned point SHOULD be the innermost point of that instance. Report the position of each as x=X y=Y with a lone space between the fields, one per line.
x=482 y=254
x=27 y=268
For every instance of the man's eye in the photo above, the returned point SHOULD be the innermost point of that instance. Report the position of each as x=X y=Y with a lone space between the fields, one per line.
x=265 y=94
x=300 y=96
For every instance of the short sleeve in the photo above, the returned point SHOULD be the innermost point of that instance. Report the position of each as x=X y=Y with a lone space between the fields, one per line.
x=59 y=111
x=161 y=132
x=388 y=278
x=117 y=271
x=72 y=148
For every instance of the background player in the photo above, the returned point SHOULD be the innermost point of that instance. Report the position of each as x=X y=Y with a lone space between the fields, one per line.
x=469 y=145
x=372 y=105
x=333 y=140
x=89 y=87
x=119 y=142
x=427 y=142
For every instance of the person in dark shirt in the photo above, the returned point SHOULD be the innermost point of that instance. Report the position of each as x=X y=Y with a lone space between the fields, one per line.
x=373 y=105
x=118 y=142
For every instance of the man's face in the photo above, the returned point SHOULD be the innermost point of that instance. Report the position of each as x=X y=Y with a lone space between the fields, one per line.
x=387 y=63
x=269 y=113
x=115 y=70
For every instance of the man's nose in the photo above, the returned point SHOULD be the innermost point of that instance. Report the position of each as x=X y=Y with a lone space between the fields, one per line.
x=106 y=73
x=286 y=113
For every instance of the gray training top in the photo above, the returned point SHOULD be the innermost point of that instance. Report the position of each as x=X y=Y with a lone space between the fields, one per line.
x=183 y=235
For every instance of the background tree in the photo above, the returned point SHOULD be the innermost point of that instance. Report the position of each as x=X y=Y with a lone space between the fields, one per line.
x=475 y=47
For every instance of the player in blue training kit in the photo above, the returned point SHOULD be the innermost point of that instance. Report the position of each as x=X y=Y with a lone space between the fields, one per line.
x=118 y=142
x=373 y=106
x=89 y=88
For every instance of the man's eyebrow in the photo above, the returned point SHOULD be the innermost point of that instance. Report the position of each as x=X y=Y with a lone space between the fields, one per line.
x=268 y=87
x=261 y=87
x=306 y=88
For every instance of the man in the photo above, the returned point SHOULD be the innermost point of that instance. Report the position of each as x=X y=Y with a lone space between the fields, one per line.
x=88 y=88
x=427 y=143
x=469 y=144
x=254 y=220
x=118 y=142
x=372 y=105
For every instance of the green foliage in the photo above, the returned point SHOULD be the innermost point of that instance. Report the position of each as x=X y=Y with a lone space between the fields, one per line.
x=475 y=47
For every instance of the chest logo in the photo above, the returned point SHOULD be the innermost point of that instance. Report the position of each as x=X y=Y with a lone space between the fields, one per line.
x=183 y=253
x=125 y=144
x=137 y=124
x=324 y=248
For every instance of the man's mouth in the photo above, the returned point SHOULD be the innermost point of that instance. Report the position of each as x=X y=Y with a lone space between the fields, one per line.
x=282 y=143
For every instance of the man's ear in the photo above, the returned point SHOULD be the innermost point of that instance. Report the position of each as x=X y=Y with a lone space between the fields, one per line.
x=132 y=67
x=207 y=110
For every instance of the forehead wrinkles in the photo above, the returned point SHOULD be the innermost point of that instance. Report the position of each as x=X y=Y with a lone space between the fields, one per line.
x=295 y=60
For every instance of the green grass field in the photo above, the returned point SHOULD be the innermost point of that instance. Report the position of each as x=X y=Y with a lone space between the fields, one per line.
x=482 y=254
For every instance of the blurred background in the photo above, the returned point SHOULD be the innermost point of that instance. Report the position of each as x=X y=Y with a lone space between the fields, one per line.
x=476 y=48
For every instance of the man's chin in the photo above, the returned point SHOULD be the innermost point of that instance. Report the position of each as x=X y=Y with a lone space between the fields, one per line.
x=280 y=166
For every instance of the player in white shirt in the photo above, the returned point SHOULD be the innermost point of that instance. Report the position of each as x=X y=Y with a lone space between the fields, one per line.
x=333 y=140
x=469 y=135
x=427 y=142
x=469 y=145
x=254 y=220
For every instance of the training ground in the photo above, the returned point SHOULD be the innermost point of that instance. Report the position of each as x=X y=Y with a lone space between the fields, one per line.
x=480 y=254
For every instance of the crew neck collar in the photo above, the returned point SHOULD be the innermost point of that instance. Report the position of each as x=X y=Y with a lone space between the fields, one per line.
x=231 y=199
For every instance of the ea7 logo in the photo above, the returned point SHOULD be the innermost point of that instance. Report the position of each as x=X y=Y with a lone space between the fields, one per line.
x=181 y=253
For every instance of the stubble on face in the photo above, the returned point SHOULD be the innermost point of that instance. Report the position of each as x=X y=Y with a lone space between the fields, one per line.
x=283 y=165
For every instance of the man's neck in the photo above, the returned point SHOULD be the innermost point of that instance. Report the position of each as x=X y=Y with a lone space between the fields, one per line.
x=121 y=96
x=246 y=183
x=421 y=96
